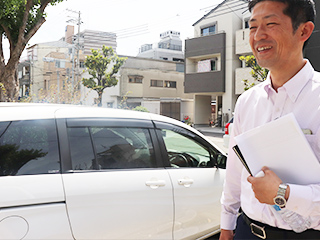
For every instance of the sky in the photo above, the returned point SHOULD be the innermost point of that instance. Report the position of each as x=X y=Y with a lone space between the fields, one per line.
x=136 y=22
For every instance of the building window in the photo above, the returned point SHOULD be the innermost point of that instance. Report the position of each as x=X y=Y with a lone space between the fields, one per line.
x=207 y=65
x=135 y=79
x=246 y=23
x=208 y=30
x=156 y=83
x=60 y=63
x=170 y=84
x=81 y=64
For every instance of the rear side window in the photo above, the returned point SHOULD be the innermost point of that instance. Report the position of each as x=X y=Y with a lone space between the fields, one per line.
x=28 y=147
x=110 y=148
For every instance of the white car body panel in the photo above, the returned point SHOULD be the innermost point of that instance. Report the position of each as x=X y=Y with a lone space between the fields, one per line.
x=120 y=205
x=30 y=201
x=197 y=205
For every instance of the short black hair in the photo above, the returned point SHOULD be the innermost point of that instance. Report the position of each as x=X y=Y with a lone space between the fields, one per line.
x=300 y=11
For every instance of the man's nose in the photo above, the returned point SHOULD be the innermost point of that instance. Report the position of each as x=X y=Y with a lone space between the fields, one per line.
x=260 y=33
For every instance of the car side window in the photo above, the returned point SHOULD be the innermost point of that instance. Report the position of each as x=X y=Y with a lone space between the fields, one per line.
x=28 y=147
x=110 y=148
x=184 y=151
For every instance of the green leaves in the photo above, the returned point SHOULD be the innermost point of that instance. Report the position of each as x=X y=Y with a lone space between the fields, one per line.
x=258 y=73
x=102 y=66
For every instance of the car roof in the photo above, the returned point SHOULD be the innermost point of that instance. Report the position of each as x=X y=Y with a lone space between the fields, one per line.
x=33 y=111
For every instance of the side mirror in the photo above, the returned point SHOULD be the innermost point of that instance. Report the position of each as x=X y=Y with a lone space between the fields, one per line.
x=221 y=161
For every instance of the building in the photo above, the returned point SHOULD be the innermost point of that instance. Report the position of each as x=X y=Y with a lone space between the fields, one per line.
x=312 y=50
x=152 y=83
x=46 y=62
x=211 y=61
x=24 y=76
x=91 y=39
x=168 y=48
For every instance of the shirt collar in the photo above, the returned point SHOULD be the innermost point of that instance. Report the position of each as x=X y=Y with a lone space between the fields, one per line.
x=295 y=85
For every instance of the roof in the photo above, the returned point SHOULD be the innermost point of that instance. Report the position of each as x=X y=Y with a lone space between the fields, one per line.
x=214 y=9
x=60 y=44
x=34 y=111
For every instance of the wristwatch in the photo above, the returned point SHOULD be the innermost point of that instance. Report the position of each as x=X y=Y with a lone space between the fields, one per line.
x=280 y=200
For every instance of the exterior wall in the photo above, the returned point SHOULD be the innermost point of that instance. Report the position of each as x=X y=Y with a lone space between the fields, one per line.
x=197 y=49
x=242 y=74
x=90 y=39
x=152 y=106
x=202 y=110
x=242 y=42
x=151 y=69
x=162 y=54
x=36 y=54
x=312 y=51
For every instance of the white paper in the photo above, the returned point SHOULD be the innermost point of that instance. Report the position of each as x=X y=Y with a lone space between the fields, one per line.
x=281 y=146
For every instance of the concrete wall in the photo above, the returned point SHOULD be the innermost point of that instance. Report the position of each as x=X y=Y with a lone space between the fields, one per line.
x=202 y=110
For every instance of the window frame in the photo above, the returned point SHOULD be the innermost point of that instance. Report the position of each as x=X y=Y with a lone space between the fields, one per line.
x=64 y=124
x=168 y=126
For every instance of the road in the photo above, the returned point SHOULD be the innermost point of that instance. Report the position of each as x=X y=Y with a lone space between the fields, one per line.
x=216 y=137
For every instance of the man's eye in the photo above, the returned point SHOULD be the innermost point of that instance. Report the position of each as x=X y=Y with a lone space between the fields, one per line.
x=252 y=28
x=272 y=23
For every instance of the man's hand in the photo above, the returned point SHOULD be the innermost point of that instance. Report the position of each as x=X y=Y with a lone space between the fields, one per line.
x=226 y=235
x=266 y=188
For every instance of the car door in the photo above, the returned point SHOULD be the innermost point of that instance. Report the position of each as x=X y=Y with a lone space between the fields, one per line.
x=196 y=178
x=116 y=187
x=32 y=203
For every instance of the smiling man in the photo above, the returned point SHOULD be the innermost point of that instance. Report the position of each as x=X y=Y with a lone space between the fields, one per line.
x=279 y=30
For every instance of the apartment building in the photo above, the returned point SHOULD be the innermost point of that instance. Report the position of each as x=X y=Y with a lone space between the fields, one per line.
x=46 y=62
x=90 y=39
x=168 y=48
x=211 y=60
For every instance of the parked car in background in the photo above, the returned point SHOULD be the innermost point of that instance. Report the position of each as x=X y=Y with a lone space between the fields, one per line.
x=227 y=132
x=72 y=172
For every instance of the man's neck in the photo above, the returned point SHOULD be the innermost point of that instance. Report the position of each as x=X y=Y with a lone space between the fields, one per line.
x=282 y=75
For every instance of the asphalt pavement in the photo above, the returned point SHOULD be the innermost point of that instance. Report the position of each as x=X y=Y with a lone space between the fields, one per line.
x=215 y=134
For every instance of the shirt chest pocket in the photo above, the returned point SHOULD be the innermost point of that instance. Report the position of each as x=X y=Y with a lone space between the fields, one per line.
x=314 y=141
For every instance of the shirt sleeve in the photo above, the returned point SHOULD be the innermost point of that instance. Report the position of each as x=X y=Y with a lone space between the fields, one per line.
x=230 y=199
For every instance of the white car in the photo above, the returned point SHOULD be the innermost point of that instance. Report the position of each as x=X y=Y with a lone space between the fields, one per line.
x=72 y=172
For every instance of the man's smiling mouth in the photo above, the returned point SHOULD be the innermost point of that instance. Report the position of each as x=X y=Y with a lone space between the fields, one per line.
x=260 y=49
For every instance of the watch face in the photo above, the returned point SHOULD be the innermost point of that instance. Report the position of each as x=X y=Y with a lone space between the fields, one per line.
x=280 y=201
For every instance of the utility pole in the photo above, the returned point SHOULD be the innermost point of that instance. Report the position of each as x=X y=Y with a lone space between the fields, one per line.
x=78 y=21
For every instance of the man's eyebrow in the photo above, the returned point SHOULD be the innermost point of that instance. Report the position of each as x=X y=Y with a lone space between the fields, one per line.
x=265 y=17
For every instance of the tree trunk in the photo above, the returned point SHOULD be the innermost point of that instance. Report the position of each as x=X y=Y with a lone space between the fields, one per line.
x=100 y=98
x=10 y=87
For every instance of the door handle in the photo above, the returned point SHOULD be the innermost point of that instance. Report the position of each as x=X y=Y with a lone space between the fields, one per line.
x=185 y=182
x=156 y=183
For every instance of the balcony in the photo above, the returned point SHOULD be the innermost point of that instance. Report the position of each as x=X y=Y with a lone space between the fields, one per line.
x=197 y=49
x=242 y=74
x=242 y=42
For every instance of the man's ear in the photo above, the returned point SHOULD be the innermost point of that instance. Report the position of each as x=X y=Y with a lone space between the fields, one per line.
x=306 y=30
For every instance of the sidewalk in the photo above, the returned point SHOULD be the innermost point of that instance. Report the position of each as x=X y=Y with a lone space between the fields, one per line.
x=217 y=130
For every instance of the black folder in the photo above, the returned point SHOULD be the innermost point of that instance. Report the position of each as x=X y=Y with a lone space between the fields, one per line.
x=240 y=156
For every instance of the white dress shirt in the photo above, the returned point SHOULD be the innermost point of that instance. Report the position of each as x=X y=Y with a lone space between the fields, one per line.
x=257 y=106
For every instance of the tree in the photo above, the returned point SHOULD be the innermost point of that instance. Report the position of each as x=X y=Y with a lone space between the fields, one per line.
x=19 y=21
x=258 y=73
x=98 y=65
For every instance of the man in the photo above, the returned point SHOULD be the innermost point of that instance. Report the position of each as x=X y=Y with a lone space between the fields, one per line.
x=279 y=30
